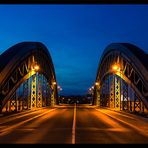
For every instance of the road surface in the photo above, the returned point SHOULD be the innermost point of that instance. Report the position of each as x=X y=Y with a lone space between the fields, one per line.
x=73 y=124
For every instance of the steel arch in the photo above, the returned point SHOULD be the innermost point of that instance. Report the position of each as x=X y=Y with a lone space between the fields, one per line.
x=133 y=62
x=17 y=63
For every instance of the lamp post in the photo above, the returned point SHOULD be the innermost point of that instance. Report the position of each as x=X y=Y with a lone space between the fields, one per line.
x=91 y=93
x=59 y=89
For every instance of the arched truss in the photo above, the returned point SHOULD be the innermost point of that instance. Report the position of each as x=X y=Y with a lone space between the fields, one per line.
x=133 y=70
x=17 y=65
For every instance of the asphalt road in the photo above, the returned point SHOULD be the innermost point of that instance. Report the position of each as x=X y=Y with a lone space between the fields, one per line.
x=73 y=124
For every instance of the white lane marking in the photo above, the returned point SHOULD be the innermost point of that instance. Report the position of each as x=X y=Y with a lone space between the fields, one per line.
x=9 y=129
x=74 y=125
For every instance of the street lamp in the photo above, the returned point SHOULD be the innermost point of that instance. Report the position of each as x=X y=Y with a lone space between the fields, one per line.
x=97 y=83
x=89 y=90
x=54 y=83
x=59 y=89
x=91 y=93
x=116 y=67
x=35 y=67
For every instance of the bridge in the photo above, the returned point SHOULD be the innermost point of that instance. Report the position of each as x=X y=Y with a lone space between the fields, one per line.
x=27 y=78
x=122 y=79
x=28 y=87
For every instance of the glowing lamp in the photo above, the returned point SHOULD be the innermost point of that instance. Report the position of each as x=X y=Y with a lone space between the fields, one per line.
x=116 y=67
x=96 y=83
x=54 y=83
x=36 y=67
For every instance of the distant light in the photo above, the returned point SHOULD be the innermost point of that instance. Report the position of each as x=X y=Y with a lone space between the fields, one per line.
x=54 y=83
x=96 y=83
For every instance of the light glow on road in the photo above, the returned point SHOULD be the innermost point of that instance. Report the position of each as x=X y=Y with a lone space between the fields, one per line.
x=9 y=129
x=138 y=129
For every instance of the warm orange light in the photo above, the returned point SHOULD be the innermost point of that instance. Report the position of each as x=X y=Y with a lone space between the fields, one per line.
x=116 y=67
x=36 y=67
x=54 y=83
x=32 y=68
x=96 y=83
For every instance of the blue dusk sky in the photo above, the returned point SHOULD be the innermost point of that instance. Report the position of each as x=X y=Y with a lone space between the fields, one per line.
x=75 y=35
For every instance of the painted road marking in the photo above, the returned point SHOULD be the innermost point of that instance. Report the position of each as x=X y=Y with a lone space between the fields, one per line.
x=74 y=125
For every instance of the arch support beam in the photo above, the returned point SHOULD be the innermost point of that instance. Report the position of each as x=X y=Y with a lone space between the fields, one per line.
x=125 y=72
x=20 y=63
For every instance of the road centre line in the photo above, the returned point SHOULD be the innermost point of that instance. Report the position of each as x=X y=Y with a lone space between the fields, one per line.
x=74 y=125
